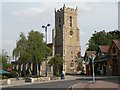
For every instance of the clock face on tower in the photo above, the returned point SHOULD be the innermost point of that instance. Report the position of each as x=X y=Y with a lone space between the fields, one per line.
x=71 y=33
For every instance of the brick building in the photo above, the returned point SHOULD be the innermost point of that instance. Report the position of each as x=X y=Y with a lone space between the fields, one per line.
x=107 y=60
x=113 y=62
x=101 y=60
x=88 y=61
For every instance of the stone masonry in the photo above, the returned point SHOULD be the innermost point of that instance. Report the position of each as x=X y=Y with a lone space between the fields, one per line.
x=66 y=38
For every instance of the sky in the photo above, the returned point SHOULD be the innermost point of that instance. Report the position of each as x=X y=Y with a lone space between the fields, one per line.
x=26 y=15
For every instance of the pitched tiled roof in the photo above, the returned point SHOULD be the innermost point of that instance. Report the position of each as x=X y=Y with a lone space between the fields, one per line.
x=104 y=48
x=88 y=53
x=117 y=43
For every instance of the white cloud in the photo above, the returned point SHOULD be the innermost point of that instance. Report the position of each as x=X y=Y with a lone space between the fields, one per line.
x=29 y=13
x=83 y=33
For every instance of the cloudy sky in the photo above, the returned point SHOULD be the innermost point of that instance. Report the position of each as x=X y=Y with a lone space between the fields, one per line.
x=31 y=15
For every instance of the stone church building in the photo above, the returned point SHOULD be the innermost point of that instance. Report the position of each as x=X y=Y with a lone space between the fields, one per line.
x=66 y=41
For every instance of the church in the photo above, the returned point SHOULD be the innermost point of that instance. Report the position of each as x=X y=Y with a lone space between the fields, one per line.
x=66 y=41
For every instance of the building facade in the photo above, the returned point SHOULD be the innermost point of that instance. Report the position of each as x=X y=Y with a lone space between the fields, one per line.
x=88 y=61
x=107 y=60
x=113 y=62
x=66 y=38
x=101 y=60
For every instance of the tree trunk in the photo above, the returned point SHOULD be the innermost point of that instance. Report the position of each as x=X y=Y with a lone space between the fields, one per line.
x=57 y=70
x=29 y=68
x=24 y=70
x=39 y=68
x=34 y=68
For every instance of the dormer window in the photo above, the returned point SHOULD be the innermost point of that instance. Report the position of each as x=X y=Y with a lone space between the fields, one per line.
x=70 y=21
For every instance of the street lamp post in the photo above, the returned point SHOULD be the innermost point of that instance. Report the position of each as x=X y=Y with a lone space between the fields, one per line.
x=46 y=46
x=93 y=58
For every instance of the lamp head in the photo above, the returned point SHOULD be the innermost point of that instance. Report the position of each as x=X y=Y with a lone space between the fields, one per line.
x=48 y=24
x=43 y=26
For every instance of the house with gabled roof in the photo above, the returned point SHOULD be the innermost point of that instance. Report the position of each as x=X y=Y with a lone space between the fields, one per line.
x=107 y=60
x=88 y=61
x=113 y=62
x=101 y=60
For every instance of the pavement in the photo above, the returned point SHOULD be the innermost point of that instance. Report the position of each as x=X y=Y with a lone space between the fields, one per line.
x=97 y=85
x=100 y=83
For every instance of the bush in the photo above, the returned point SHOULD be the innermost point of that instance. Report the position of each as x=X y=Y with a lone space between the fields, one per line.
x=27 y=79
x=4 y=77
x=0 y=76
x=57 y=75
x=13 y=74
x=35 y=76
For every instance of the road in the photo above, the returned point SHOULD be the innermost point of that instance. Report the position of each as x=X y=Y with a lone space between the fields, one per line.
x=56 y=85
x=51 y=85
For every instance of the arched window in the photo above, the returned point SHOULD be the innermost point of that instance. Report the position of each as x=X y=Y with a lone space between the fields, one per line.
x=59 y=22
x=70 y=21
x=114 y=50
x=72 y=64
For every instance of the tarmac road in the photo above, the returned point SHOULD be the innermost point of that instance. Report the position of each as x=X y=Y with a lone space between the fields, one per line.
x=49 y=85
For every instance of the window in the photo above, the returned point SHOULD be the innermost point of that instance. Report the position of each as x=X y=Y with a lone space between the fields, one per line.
x=71 y=33
x=114 y=50
x=72 y=64
x=59 y=22
x=71 y=52
x=70 y=21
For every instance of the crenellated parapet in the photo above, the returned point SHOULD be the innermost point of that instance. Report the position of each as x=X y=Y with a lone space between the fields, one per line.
x=66 y=9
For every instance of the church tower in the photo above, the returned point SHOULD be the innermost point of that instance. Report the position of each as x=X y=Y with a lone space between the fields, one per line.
x=66 y=38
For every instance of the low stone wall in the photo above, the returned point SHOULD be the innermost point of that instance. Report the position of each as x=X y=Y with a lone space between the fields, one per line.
x=5 y=81
x=37 y=79
x=55 y=78
x=40 y=79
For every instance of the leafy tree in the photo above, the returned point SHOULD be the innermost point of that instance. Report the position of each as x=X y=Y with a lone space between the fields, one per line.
x=3 y=61
x=20 y=53
x=115 y=34
x=102 y=38
x=37 y=48
x=31 y=49
x=56 y=61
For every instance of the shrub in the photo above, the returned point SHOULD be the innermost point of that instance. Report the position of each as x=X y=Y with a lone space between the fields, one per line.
x=35 y=76
x=13 y=74
x=4 y=77
x=27 y=79
x=57 y=75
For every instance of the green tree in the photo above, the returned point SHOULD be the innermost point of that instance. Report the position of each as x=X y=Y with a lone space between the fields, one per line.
x=102 y=38
x=37 y=48
x=20 y=53
x=3 y=61
x=56 y=61
x=31 y=49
